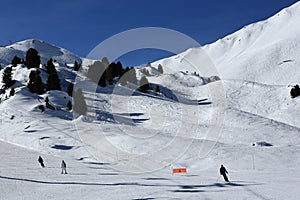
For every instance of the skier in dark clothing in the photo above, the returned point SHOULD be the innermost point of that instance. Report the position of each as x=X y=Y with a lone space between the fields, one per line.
x=63 y=167
x=41 y=161
x=223 y=172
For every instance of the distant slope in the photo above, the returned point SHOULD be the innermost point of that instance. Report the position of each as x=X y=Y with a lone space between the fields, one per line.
x=257 y=64
x=45 y=50
x=266 y=52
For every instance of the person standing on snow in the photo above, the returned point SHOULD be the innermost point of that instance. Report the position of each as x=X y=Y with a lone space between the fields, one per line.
x=41 y=161
x=223 y=172
x=63 y=167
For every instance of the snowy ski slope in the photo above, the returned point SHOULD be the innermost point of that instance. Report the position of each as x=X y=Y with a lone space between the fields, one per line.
x=259 y=143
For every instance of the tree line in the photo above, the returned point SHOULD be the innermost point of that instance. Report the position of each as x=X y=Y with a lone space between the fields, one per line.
x=101 y=72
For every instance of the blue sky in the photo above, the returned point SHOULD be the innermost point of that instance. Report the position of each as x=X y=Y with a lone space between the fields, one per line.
x=80 y=25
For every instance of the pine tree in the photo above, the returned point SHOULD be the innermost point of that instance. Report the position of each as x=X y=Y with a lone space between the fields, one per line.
x=35 y=84
x=12 y=92
x=144 y=85
x=123 y=78
x=69 y=105
x=118 y=69
x=160 y=69
x=295 y=91
x=32 y=58
x=31 y=80
x=38 y=85
x=109 y=73
x=7 y=77
x=105 y=61
x=96 y=73
x=128 y=75
x=50 y=68
x=112 y=71
x=70 y=89
x=145 y=71
x=102 y=81
x=53 y=82
x=132 y=76
x=79 y=106
x=15 y=61
x=77 y=66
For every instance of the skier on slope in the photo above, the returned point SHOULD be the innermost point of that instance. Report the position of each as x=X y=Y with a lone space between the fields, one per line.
x=63 y=167
x=41 y=161
x=223 y=172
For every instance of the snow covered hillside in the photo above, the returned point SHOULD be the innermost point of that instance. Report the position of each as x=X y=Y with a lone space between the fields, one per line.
x=257 y=64
x=46 y=51
x=264 y=52
x=127 y=131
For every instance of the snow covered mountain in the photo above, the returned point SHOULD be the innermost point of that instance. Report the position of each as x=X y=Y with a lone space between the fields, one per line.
x=46 y=51
x=257 y=64
x=259 y=141
x=264 y=52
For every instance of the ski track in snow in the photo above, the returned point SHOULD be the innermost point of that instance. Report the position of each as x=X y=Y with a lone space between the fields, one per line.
x=21 y=176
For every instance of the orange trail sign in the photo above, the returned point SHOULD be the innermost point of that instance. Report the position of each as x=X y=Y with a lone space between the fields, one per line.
x=179 y=170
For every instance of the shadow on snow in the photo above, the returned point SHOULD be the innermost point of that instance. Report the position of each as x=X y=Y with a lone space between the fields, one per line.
x=182 y=188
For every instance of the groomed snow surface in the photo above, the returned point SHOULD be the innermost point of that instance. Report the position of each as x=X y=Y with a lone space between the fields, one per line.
x=259 y=142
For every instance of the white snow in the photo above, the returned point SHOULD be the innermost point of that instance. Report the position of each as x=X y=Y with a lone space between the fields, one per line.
x=259 y=143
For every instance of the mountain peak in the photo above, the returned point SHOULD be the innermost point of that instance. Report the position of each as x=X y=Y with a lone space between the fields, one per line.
x=255 y=52
x=46 y=51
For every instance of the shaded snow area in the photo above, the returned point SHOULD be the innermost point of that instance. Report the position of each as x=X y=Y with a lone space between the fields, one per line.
x=258 y=140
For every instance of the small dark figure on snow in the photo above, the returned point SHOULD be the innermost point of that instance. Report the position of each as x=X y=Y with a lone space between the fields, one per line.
x=295 y=91
x=63 y=167
x=41 y=161
x=223 y=172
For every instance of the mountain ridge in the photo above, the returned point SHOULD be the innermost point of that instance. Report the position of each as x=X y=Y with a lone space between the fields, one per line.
x=279 y=33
